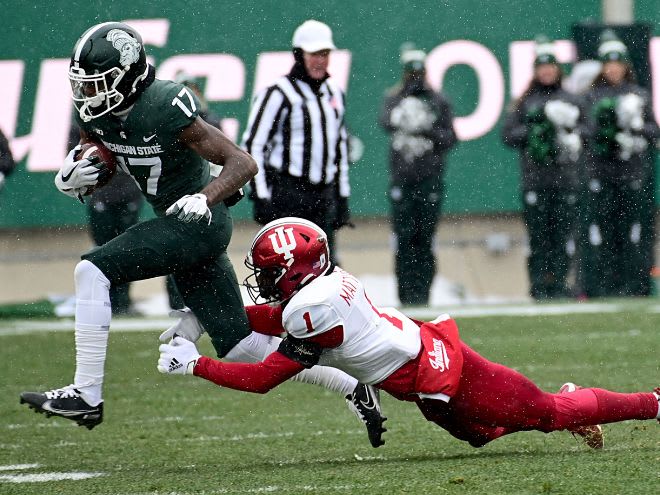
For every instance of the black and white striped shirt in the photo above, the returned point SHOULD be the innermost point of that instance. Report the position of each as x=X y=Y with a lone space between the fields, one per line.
x=296 y=131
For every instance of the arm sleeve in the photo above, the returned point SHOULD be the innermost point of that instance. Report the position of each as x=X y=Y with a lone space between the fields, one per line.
x=650 y=129
x=305 y=352
x=385 y=112
x=249 y=377
x=514 y=132
x=443 y=133
x=267 y=110
x=265 y=319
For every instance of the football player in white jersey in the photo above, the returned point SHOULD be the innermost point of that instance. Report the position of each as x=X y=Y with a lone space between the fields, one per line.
x=329 y=320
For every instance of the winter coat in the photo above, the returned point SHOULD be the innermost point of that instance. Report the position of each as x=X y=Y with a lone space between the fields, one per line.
x=420 y=123
x=607 y=159
x=544 y=162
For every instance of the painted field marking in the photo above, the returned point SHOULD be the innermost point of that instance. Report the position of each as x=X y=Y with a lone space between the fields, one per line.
x=40 y=477
x=18 y=467
x=45 y=477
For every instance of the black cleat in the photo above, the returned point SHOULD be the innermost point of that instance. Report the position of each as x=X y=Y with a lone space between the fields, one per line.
x=64 y=402
x=365 y=403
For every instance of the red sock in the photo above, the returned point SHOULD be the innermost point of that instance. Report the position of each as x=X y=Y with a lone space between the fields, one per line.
x=591 y=406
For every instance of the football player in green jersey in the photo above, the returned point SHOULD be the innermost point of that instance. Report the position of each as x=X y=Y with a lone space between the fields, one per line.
x=154 y=130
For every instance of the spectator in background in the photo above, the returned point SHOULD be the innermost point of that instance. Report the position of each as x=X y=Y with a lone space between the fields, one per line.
x=420 y=123
x=297 y=135
x=111 y=210
x=545 y=126
x=7 y=163
x=620 y=167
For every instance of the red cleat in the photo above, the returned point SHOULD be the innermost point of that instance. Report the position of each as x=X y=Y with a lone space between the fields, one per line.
x=592 y=435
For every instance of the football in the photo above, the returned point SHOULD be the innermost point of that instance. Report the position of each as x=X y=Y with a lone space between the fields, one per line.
x=103 y=159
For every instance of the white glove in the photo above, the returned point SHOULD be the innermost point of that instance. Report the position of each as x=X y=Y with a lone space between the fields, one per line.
x=187 y=327
x=561 y=113
x=571 y=143
x=178 y=358
x=74 y=176
x=412 y=116
x=629 y=112
x=2 y=180
x=630 y=145
x=191 y=208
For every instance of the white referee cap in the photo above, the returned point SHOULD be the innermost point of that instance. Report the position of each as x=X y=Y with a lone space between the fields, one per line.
x=313 y=36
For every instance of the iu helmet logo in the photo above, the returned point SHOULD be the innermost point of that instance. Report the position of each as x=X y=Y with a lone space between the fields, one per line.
x=283 y=242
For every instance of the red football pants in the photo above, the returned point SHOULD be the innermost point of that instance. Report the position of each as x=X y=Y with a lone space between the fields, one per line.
x=494 y=400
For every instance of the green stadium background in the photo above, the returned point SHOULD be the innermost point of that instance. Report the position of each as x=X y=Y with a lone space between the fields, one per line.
x=482 y=175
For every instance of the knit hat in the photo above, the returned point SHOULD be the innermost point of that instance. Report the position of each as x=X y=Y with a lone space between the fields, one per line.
x=544 y=51
x=611 y=48
x=412 y=59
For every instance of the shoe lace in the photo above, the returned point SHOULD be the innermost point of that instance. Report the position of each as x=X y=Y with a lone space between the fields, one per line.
x=63 y=393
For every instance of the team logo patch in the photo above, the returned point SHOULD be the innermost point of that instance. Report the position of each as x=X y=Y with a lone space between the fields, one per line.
x=438 y=358
x=128 y=47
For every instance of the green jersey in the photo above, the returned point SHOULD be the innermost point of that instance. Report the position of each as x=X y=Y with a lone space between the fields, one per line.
x=147 y=147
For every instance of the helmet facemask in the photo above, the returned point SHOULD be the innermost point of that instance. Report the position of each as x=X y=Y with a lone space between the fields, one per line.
x=262 y=283
x=105 y=96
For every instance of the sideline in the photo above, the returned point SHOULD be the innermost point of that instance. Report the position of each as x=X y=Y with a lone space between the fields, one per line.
x=23 y=327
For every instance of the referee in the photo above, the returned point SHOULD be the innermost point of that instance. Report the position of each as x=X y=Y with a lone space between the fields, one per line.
x=297 y=136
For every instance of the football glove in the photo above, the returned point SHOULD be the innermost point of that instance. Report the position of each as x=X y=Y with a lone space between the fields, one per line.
x=75 y=175
x=178 y=358
x=630 y=112
x=187 y=327
x=630 y=145
x=2 y=180
x=191 y=208
x=562 y=114
x=571 y=143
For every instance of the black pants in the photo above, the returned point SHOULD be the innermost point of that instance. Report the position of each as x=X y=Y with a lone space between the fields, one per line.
x=615 y=260
x=549 y=215
x=297 y=197
x=415 y=213
x=107 y=221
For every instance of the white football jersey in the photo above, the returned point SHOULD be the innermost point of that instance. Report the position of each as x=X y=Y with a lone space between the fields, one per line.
x=376 y=342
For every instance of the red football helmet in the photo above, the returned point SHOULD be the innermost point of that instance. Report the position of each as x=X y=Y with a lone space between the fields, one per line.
x=286 y=254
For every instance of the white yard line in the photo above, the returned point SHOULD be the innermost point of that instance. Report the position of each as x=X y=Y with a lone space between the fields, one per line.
x=22 y=327
x=520 y=310
x=39 y=477
x=46 y=477
x=18 y=467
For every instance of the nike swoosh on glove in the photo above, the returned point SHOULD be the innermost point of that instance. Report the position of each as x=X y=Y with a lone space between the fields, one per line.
x=178 y=358
x=191 y=208
x=75 y=176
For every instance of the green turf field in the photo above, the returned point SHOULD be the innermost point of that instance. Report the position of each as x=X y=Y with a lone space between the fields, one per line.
x=182 y=435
